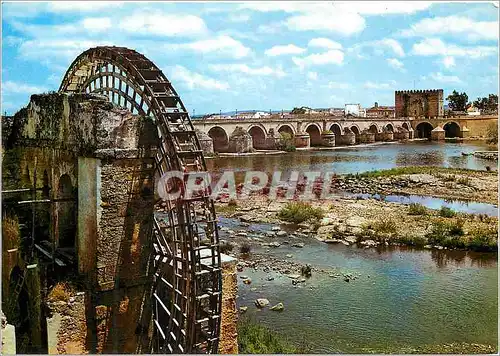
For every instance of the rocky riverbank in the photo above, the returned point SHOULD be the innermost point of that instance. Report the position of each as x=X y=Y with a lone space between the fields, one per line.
x=448 y=183
x=491 y=155
x=367 y=223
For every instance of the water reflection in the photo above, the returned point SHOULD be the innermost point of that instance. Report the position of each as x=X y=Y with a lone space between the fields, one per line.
x=457 y=258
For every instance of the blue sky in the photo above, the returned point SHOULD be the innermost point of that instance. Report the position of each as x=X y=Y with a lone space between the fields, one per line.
x=261 y=55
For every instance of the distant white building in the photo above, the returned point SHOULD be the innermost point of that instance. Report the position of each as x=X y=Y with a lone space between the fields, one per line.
x=252 y=115
x=473 y=111
x=354 y=110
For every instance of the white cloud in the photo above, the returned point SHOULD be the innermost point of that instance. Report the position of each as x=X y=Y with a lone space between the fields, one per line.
x=344 y=18
x=392 y=44
x=449 y=62
x=285 y=49
x=243 y=68
x=239 y=18
x=10 y=87
x=395 y=63
x=384 y=86
x=386 y=7
x=338 y=85
x=360 y=7
x=163 y=24
x=322 y=42
x=312 y=75
x=441 y=78
x=222 y=44
x=379 y=47
x=333 y=56
x=436 y=47
x=82 y=6
x=454 y=25
x=59 y=49
x=97 y=24
x=194 y=80
x=33 y=9
x=346 y=24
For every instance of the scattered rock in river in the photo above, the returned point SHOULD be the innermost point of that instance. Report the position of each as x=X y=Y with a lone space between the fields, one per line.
x=298 y=244
x=261 y=302
x=281 y=233
x=278 y=307
x=243 y=309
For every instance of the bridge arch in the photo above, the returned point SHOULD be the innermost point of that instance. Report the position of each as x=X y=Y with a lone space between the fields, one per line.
x=451 y=129
x=406 y=126
x=423 y=130
x=389 y=128
x=373 y=128
x=314 y=131
x=336 y=129
x=132 y=81
x=355 y=129
x=286 y=128
x=220 y=138
x=258 y=133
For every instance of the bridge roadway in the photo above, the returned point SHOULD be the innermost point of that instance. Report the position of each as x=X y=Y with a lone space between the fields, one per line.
x=317 y=130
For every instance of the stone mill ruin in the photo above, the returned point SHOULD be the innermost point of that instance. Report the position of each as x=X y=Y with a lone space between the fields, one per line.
x=93 y=260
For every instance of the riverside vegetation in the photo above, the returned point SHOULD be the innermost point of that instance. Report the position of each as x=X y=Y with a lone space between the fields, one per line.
x=371 y=222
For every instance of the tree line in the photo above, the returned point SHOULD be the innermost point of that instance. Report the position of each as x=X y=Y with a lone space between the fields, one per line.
x=460 y=102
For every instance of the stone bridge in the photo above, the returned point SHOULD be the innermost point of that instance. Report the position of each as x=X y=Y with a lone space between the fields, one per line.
x=327 y=131
x=449 y=127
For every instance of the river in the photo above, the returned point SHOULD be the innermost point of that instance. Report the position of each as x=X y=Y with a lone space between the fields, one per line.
x=361 y=159
x=403 y=298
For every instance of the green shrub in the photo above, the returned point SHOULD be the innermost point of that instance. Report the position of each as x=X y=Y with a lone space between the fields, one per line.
x=417 y=209
x=254 y=338
x=447 y=234
x=410 y=240
x=385 y=226
x=286 y=142
x=449 y=178
x=483 y=239
x=446 y=212
x=464 y=181
x=299 y=212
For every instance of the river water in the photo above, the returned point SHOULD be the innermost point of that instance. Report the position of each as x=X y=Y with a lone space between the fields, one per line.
x=361 y=159
x=403 y=298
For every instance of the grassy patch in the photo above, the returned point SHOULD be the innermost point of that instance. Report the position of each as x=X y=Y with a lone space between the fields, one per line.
x=417 y=209
x=446 y=212
x=299 y=212
x=225 y=209
x=464 y=181
x=254 y=338
x=411 y=240
x=436 y=171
